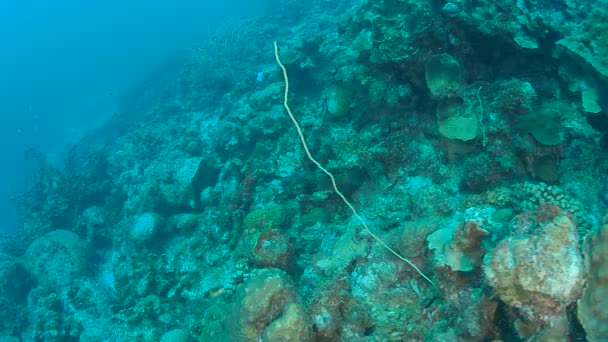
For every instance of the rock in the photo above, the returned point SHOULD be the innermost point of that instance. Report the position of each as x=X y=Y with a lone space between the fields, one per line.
x=538 y=274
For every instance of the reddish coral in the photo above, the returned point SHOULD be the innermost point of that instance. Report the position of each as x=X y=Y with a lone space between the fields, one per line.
x=326 y=310
x=538 y=274
x=273 y=249
x=247 y=191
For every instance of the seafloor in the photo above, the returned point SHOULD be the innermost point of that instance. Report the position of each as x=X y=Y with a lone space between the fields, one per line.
x=467 y=138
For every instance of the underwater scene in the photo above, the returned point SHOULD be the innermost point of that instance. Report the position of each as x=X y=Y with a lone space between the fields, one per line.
x=351 y=170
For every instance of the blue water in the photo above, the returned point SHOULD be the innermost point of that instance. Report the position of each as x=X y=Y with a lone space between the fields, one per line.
x=64 y=66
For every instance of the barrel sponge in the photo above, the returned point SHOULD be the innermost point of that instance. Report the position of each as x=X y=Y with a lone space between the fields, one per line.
x=266 y=308
x=56 y=258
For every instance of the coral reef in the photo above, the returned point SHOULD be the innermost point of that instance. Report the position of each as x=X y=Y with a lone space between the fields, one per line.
x=467 y=140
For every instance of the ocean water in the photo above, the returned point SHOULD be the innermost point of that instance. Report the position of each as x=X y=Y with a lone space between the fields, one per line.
x=396 y=170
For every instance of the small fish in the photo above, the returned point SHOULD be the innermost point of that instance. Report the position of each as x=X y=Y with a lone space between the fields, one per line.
x=215 y=292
